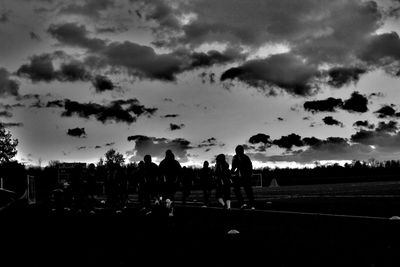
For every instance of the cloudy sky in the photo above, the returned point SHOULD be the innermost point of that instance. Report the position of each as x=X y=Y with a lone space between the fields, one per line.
x=294 y=81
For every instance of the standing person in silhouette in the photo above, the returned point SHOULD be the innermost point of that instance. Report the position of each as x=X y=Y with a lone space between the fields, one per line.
x=122 y=187
x=206 y=182
x=243 y=170
x=140 y=183
x=170 y=171
x=186 y=183
x=223 y=180
x=113 y=200
x=150 y=182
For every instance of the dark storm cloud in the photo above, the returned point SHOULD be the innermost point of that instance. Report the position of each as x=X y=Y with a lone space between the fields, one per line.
x=314 y=149
x=156 y=147
x=77 y=132
x=75 y=35
x=341 y=33
x=260 y=142
x=269 y=21
x=312 y=141
x=323 y=31
x=5 y=113
x=345 y=28
x=170 y=116
x=356 y=103
x=34 y=36
x=340 y=76
x=385 y=138
x=8 y=87
x=260 y=138
x=73 y=71
x=102 y=83
x=133 y=105
x=387 y=111
x=6 y=106
x=210 y=142
x=174 y=127
x=143 y=61
x=41 y=68
x=289 y=141
x=160 y=11
x=11 y=124
x=89 y=8
x=382 y=49
x=110 y=29
x=332 y=148
x=118 y=110
x=100 y=112
x=28 y=97
x=140 y=60
x=329 y=120
x=285 y=71
x=328 y=105
x=364 y=124
x=55 y=103
x=388 y=127
x=212 y=57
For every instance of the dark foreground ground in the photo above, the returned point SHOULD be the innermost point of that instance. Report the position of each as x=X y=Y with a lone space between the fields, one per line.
x=287 y=229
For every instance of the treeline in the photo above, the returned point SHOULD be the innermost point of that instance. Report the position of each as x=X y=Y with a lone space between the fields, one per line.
x=357 y=171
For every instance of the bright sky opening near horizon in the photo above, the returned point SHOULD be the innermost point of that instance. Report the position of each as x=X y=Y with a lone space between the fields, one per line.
x=293 y=81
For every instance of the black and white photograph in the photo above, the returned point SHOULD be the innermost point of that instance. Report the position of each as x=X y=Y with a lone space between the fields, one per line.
x=200 y=132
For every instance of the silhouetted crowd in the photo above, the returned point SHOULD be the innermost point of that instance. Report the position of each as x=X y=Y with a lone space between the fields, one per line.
x=160 y=183
x=157 y=185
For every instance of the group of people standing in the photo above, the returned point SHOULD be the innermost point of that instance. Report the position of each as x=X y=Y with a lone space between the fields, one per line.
x=158 y=184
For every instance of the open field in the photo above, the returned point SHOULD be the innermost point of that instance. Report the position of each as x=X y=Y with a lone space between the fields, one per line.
x=299 y=228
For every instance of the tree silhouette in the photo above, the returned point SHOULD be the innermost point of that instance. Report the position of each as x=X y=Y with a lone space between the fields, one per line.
x=113 y=157
x=8 y=146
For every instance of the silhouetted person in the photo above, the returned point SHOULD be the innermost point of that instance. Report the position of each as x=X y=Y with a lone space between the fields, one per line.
x=206 y=182
x=149 y=182
x=122 y=186
x=114 y=171
x=243 y=170
x=140 y=180
x=186 y=183
x=223 y=179
x=170 y=170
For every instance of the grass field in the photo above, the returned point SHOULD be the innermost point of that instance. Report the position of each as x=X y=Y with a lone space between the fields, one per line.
x=298 y=227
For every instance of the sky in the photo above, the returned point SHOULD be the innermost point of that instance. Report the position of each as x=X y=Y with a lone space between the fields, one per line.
x=294 y=82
